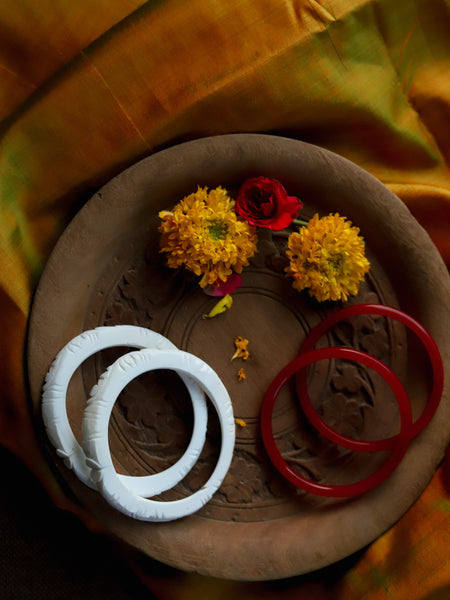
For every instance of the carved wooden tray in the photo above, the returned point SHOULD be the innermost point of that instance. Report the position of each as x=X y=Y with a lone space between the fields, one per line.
x=106 y=269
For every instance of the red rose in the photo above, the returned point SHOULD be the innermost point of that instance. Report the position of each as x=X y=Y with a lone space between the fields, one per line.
x=264 y=202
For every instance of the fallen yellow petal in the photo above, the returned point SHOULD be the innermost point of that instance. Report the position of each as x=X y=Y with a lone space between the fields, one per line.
x=241 y=375
x=221 y=306
x=241 y=348
x=241 y=422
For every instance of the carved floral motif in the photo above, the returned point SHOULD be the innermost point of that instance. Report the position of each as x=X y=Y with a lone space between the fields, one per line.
x=156 y=424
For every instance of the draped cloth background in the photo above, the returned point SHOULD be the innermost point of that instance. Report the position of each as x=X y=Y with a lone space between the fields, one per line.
x=89 y=87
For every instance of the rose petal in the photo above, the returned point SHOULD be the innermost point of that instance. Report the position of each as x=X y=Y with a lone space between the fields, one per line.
x=224 y=288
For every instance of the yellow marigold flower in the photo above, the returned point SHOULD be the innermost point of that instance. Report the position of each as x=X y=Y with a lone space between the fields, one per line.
x=204 y=233
x=241 y=375
x=241 y=348
x=327 y=257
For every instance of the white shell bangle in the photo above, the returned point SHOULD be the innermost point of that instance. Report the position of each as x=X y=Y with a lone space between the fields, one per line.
x=95 y=432
x=54 y=410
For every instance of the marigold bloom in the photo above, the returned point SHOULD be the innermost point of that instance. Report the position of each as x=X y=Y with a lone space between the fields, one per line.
x=327 y=257
x=204 y=233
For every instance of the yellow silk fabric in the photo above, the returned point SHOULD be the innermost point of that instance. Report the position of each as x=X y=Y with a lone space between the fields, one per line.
x=88 y=87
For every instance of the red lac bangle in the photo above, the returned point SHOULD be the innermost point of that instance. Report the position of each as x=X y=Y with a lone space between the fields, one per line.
x=414 y=326
x=400 y=444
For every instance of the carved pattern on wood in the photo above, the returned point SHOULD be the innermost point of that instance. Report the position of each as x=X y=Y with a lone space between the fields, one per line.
x=148 y=436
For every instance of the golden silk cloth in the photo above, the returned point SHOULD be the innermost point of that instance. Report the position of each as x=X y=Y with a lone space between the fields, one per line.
x=89 y=87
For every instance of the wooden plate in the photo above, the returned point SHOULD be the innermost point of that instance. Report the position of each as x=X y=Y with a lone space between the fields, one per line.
x=106 y=269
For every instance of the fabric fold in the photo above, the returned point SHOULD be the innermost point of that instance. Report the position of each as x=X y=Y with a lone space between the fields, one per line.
x=88 y=88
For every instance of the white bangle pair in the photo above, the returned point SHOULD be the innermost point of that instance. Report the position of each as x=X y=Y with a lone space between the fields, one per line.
x=92 y=463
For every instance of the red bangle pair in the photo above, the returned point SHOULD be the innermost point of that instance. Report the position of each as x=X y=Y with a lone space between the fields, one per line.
x=398 y=443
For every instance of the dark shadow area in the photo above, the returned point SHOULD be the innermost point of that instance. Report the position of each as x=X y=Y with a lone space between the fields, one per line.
x=46 y=553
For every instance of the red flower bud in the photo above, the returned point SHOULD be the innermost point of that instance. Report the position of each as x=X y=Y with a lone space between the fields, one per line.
x=264 y=202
